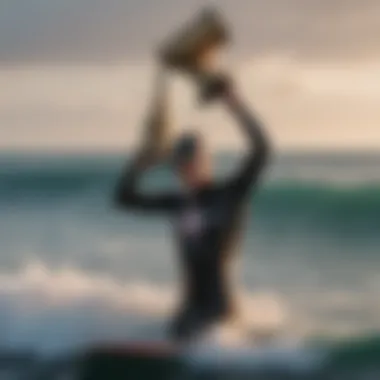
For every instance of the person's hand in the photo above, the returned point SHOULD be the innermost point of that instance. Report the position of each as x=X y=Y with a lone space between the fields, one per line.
x=227 y=86
x=227 y=91
x=216 y=87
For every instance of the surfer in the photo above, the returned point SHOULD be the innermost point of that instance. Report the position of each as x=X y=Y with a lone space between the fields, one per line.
x=207 y=216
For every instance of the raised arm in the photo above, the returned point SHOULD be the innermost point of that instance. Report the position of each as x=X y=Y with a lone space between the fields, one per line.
x=257 y=156
x=157 y=135
x=129 y=196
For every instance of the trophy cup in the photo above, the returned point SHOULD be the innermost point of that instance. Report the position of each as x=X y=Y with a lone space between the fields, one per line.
x=192 y=50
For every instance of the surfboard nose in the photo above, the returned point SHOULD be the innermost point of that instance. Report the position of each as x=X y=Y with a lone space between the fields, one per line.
x=132 y=361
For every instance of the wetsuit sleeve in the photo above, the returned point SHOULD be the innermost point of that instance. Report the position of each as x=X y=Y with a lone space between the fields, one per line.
x=129 y=196
x=258 y=153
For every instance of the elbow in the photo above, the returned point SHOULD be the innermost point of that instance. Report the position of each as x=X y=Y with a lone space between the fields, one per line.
x=118 y=200
x=122 y=198
x=263 y=150
x=266 y=150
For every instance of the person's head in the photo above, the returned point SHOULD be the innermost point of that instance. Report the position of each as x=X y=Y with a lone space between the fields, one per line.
x=191 y=160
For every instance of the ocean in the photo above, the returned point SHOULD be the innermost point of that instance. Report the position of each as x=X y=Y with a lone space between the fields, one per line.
x=74 y=269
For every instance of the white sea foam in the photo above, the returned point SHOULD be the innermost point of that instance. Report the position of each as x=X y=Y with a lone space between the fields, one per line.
x=53 y=310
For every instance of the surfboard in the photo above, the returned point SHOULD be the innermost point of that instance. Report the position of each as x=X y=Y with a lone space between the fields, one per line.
x=132 y=360
x=304 y=360
x=165 y=361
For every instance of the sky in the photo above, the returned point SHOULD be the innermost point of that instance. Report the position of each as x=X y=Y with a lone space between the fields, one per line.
x=77 y=74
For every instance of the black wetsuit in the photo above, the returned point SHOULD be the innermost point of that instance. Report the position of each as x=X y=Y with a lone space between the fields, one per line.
x=207 y=225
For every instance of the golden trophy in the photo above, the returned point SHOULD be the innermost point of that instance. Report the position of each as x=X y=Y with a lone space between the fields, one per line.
x=193 y=50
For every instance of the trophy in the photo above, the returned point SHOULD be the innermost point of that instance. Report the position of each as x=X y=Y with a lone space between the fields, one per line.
x=192 y=50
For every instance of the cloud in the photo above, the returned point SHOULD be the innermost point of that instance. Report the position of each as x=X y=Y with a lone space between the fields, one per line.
x=115 y=30
x=306 y=106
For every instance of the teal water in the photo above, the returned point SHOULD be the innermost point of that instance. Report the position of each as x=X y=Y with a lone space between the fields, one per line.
x=74 y=269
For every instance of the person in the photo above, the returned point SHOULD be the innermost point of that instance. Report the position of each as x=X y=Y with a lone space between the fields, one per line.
x=207 y=216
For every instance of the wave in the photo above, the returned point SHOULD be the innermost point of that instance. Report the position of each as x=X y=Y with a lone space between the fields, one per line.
x=53 y=310
x=351 y=358
x=308 y=203
x=71 y=179
x=355 y=359
x=342 y=208
x=353 y=209
x=59 y=181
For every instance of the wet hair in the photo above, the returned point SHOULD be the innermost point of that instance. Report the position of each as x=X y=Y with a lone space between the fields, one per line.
x=185 y=148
